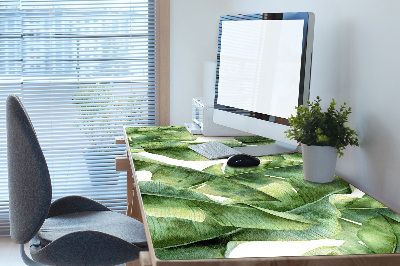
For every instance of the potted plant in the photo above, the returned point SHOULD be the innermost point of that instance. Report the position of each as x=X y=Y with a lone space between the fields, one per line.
x=323 y=135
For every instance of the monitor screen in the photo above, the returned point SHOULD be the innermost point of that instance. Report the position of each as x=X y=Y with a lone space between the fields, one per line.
x=260 y=63
x=263 y=71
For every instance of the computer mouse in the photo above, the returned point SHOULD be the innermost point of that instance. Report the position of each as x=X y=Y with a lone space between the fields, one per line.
x=242 y=160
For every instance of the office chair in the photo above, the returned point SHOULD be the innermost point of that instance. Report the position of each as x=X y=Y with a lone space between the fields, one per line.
x=70 y=231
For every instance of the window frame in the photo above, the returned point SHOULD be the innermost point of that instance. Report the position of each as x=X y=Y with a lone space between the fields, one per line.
x=163 y=88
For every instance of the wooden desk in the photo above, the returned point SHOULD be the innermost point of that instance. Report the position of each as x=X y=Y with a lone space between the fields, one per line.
x=198 y=216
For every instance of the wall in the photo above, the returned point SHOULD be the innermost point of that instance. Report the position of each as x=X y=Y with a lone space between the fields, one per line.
x=355 y=60
x=194 y=41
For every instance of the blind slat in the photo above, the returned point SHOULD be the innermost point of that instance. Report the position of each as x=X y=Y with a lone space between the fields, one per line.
x=83 y=69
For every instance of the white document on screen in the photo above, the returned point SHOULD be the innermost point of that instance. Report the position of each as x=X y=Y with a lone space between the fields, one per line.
x=260 y=65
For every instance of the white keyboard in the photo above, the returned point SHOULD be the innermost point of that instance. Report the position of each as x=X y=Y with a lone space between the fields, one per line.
x=214 y=150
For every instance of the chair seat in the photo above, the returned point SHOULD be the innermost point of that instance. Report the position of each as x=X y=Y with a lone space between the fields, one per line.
x=107 y=222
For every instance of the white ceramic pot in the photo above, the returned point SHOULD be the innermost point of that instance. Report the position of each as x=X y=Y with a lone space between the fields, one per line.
x=319 y=163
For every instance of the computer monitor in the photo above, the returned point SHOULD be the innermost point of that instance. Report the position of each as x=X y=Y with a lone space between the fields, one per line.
x=263 y=73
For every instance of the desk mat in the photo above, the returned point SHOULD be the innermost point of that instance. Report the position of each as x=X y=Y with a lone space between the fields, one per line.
x=202 y=209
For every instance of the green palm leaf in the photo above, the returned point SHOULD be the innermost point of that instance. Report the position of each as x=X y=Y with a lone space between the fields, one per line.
x=161 y=189
x=213 y=248
x=172 y=232
x=325 y=225
x=354 y=247
x=162 y=133
x=173 y=149
x=235 y=191
x=309 y=191
x=170 y=174
x=323 y=251
x=378 y=235
x=223 y=215
x=287 y=197
x=254 y=140
x=348 y=231
x=348 y=247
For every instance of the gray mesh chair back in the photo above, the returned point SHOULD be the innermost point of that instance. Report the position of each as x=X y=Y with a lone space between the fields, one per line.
x=72 y=230
x=28 y=176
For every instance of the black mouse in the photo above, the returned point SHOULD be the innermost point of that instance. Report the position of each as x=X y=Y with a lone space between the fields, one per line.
x=242 y=160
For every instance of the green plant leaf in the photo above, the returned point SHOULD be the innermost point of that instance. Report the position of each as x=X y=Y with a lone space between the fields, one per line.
x=348 y=231
x=358 y=215
x=231 y=246
x=325 y=225
x=257 y=180
x=296 y=156
x=342 y=201
x=311 y=192
x=215 y=169
x=174 y=207
x=236 y=192
x=396 y=229
x=361 y=209
x=170 y=174
x=213 y=248
x=378 y=235
x=280 y=189
x=172 y=232
x=284 y=172
x=158 y=133
x=354 y=247
x=223 y=215
x=312 y=126
x=161 y=189
x=255 y=140
x=173 y=149
x=323 y=251
x=308 y=191
x=142 y=139
x=348 y=247
x=286 y=215
x=390 y=214
x=365 y=202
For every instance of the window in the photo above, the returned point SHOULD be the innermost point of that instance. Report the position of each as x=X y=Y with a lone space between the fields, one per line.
x=83 y=70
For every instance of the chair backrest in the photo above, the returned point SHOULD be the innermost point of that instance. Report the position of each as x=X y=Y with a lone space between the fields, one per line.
x=29 y=183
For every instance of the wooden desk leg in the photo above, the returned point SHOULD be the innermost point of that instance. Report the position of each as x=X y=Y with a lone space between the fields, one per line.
x=144 y=258
x=129 y=192
x=133 y=200
x=133 y=210
x=122 y=164
x=133 y=263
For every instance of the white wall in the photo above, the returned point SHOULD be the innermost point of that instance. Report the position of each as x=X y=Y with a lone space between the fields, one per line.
x=194 y=41
x=355 y=60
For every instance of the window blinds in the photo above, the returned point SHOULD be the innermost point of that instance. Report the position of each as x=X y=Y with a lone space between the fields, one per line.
x=83 y=70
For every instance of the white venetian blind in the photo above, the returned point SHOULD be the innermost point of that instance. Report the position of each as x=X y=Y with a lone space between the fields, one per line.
x=83 y=70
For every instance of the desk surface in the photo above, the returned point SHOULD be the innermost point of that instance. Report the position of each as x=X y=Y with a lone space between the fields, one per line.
x=201 y=209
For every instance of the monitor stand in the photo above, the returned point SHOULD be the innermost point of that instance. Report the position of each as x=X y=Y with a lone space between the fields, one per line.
x=265 y=150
